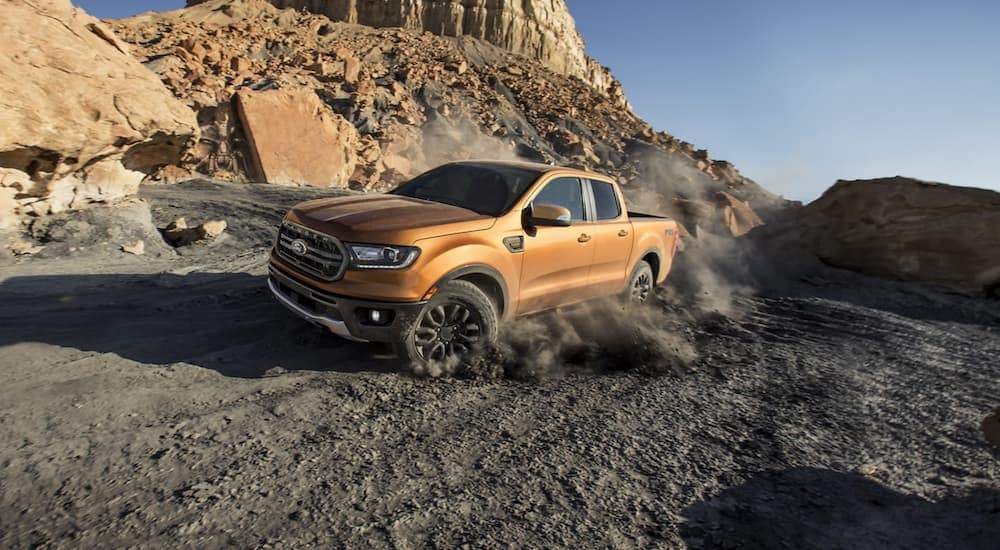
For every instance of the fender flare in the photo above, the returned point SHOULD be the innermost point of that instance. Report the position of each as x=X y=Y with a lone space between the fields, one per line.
x=481 y=269
x=659 y=260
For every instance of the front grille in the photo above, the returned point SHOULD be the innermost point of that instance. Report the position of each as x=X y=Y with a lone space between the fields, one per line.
x=323 y=257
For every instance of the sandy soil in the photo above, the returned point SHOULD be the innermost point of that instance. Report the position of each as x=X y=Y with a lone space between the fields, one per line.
x=165 y=400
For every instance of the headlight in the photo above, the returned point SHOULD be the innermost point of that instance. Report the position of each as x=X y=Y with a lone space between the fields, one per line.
x=374 y=256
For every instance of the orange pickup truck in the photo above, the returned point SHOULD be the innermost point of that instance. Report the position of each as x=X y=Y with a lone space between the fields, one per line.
x=434 y=265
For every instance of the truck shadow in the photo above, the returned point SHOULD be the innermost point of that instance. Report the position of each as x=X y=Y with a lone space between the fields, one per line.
x=818 y=508
x=227 y=322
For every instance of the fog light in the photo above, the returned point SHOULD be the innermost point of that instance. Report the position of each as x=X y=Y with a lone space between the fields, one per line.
x=375 y=317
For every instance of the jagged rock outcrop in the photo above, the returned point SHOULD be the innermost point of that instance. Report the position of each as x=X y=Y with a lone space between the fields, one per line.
x=81 y=121
x=909 y=229
x=542 y=30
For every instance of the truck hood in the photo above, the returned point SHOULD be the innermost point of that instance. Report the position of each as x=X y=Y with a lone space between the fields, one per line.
x=389 y=219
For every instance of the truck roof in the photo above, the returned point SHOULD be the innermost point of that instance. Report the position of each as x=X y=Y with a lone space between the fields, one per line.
x=538 y=167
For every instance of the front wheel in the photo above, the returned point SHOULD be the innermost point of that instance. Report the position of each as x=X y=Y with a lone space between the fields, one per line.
x=459 y=320
x=640 y=284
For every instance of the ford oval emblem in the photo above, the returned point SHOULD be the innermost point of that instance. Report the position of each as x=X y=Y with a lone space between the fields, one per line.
x=299 y=247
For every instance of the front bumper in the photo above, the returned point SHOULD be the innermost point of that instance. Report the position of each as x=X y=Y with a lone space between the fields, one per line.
x=343 y=316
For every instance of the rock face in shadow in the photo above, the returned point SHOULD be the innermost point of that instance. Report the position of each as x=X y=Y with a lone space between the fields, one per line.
x=81 y=120
x=293 y=138
x=910 y=229
x=542 y=30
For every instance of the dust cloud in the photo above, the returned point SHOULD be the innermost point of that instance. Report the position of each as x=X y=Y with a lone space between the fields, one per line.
x=460 y=138
x=598 y=337
x=712 y=268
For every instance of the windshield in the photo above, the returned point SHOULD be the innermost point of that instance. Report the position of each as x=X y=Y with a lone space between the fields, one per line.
x=486 y=189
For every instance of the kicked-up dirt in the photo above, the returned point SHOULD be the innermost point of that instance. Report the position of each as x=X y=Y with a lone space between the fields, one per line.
x=166 y=400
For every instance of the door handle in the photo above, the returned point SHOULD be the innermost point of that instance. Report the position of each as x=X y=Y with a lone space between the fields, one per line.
x=623 y=233
x=584 y=238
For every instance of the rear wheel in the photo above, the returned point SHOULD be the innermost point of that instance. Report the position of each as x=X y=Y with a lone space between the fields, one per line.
x=459 y=320
x=640 y=285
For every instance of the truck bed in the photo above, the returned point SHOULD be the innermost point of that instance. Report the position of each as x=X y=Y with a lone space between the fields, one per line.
x=639 y=215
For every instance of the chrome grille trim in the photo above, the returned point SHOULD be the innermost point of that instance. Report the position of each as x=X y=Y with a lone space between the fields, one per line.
x=325 y=259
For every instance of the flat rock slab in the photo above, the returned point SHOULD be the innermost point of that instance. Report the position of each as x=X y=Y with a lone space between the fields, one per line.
x=295 y=139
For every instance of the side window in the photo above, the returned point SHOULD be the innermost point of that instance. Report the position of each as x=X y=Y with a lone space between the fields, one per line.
x=565 y=192
x=606 y=199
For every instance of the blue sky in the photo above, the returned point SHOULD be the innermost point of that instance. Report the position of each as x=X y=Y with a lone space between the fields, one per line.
x=800 y=94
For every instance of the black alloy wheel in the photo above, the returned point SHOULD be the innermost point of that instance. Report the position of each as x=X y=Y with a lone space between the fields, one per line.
x=449 y=329
x=641 y=283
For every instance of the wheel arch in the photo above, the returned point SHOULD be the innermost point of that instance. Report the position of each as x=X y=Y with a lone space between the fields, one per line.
x=488 y=279
x=652 y=257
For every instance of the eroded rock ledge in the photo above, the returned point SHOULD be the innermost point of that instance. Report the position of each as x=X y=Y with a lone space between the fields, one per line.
x=81 y=120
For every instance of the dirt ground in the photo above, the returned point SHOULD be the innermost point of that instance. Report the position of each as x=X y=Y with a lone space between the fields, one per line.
x=166 y=400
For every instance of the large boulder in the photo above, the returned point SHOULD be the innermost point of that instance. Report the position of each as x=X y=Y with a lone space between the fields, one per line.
x=909 y=229
x=295 y=138
x=81 y=121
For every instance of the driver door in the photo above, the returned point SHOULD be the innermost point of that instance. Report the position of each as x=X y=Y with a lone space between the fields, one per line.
x=556 y=265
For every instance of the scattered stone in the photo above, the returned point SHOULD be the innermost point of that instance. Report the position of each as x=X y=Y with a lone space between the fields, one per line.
x=8 y=208
x=275 y=372
x=867 y=470
x=240 y=64
x=460 y=67
x=171 y=174
x=179 y=234
x=136 y=247
x=200 y=492
x=21 y=247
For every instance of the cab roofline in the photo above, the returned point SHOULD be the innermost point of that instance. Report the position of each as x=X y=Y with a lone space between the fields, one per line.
x=538 y=167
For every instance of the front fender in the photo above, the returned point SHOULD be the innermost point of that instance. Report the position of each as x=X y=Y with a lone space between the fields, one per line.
x=456 y=256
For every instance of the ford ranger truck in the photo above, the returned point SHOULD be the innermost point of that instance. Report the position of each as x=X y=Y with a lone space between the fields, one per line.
x=433 y=266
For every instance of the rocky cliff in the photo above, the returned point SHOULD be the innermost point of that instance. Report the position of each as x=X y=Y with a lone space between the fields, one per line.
x=392 y=102
x=542 y=30
x=81 y=121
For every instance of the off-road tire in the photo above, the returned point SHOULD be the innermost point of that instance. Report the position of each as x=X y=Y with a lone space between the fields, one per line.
x=640 y=284
x=439 y=334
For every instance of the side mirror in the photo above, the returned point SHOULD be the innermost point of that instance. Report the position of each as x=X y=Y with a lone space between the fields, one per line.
x=548 y=215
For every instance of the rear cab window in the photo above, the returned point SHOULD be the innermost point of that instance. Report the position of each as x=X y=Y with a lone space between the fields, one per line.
x=606 y=205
